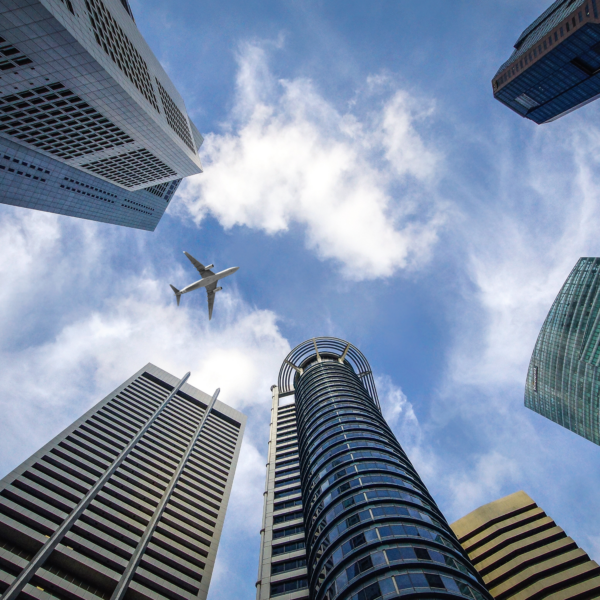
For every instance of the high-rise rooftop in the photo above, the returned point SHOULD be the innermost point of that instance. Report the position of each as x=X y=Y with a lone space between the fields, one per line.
x=555 y=65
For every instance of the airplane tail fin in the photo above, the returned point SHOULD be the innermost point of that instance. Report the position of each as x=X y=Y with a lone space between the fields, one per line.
x=177 y=293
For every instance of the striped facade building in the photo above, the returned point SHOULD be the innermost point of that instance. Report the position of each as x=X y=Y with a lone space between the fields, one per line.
x=127 y=501
x=522 y=554
x=346 y=516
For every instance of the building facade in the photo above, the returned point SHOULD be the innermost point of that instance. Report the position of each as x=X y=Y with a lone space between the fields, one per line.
x=523 y=555
x=84 y=101
x=130 y=499
x=346 y=516
x=555 y=66
x=563 y=379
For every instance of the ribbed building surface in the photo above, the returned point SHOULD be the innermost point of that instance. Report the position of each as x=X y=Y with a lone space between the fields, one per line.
x=563 y=382
x=282 y=569
x=346 y=515
x=523 y=555
x=129 y=500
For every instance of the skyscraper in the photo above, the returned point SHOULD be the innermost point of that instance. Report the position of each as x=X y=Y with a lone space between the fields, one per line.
x=130 y=499
x=90 y=124
x=555 y=66
x=346 y=515
x=563 y=380
x=522 y=554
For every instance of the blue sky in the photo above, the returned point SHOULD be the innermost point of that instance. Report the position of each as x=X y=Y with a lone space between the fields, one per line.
x=359 y=172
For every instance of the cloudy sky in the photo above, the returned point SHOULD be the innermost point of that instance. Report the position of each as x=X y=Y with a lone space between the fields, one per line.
x=360 y=174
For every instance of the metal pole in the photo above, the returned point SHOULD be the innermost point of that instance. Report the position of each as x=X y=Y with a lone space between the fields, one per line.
x=49 y=546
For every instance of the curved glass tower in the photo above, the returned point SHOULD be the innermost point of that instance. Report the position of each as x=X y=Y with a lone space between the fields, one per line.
x=563 y=380
x=370 y=528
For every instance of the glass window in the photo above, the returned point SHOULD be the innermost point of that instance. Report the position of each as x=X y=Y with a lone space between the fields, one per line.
x=353 y=520
x=387 y=586
x=360 y=566
x=418 y=580
x=450 y=584
x=422 y=554
x=403 y=581
x=434 y=581
x=370 y=592
x=401 y=553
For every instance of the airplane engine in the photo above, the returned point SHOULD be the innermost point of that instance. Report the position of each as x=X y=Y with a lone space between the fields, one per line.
x=208 y=267
x=218 y=289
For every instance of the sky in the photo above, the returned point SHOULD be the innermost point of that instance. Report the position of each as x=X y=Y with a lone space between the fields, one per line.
x=359 y=172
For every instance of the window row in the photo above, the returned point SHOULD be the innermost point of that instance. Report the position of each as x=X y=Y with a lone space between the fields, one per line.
x=388 y=558
x=377 y=534
x=408 y=583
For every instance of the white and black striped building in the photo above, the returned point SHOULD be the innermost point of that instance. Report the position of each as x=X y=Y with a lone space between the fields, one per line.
x=128 y=500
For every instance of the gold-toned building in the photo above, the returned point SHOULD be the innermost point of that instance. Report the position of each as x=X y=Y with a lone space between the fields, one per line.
x=523 y=555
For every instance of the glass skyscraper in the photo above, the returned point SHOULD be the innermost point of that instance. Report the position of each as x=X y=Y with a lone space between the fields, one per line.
x=563 y=380
x=128 y=501
x=346 y=516
x=91 y=126
x=555 y=66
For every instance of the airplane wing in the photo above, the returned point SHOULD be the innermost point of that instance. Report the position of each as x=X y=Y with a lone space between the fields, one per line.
x=201 y=268
x=210 y=294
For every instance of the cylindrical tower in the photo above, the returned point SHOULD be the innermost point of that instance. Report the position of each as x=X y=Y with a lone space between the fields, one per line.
x=372 y=529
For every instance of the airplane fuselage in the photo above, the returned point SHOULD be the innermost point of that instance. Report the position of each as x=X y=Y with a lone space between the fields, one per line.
x=206 y=281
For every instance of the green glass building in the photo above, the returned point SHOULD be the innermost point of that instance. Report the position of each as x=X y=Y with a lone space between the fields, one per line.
x=563 y=380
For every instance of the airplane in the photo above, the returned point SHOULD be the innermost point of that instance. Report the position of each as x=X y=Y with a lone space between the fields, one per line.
x=208 y=281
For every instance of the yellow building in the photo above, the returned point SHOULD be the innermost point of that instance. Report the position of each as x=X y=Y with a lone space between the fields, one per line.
x=523 y=555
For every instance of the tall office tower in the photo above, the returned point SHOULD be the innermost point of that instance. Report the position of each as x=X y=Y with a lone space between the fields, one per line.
x=555 y=66
x=91 y=126
x=523 y=555
x=563 y=380
x=346 y=516
x=128 y=501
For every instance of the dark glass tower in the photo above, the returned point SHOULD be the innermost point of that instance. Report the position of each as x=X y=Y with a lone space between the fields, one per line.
x=555 y=66
x=369 y=526
x=563 y=381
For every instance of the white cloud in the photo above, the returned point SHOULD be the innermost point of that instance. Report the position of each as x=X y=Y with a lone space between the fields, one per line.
x=519 y=245
x=522 y=244
x=398 y=411
x=360 y=185
x=400 y=415
x=75 y=323
x=57 y=370
x=484 y=480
